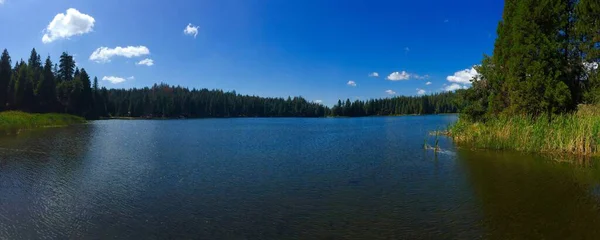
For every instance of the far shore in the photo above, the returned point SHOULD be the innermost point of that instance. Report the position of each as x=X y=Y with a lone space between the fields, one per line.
x=184 y=118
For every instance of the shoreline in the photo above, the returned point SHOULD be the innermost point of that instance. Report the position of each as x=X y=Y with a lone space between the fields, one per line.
x=188 y=118
x=16 y=121
x=576 y=134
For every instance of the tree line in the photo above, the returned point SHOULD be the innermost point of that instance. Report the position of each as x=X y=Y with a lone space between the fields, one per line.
x=34 y=86
x=545 y=61
x=431 y=104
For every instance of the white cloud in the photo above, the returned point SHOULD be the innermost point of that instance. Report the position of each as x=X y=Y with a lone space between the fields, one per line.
x=104 y=54
x=428 y=83
x=351 y=83
x=415 y=76
x=113 y=80
x=318 y=101
x=421 y=91
x=374 y=74
x=397 y=76
x=590 y=66
x=131 y=78
x=148 y=62
x=390 y=92
x=67 y=25
x=1 y=1
x=191 y=30
x=464 y=76
x=453 y=87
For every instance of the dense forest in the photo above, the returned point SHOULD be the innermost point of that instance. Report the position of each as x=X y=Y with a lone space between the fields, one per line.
x=545 y=61
x=430 y=104
x=34 y=86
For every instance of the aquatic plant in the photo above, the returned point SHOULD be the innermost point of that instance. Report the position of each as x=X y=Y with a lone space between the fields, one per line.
x=573 y=133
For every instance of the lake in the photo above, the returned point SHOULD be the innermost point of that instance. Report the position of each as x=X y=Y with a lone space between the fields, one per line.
x=292 y=178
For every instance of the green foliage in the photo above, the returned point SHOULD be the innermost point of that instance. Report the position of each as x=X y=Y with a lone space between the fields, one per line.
x=46 y=89
x=5 y=78
x=431 y=104
x=23 y=87
x=66 y=68
x=13 y=120
x=541 y=60
x=565 y=133
x=164 y=101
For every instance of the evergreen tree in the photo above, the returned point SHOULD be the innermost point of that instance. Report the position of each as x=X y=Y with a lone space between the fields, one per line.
x=536 y=66
x=587 y=25
x=66 y=68
x=86 y=95
x=5 y=76
x=46 y=88
x=23 y=88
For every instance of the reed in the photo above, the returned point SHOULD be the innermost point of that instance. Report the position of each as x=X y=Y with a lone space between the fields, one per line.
x=14 y=120
x=576 y=133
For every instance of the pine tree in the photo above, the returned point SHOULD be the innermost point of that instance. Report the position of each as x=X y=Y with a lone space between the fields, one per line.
x=86 y=95
x=46 y=88
x=534 y=68
x=5 y=76
x=66 y=68
x=23 y=88
x=587 y=25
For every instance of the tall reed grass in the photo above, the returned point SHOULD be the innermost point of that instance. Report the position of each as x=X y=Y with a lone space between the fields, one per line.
x=13 y=120
x=577 y=133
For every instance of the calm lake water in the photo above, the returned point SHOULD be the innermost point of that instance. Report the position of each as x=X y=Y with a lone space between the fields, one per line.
x=344 y=178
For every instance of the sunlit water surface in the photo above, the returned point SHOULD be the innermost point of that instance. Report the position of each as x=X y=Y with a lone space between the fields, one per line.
x=343 y=178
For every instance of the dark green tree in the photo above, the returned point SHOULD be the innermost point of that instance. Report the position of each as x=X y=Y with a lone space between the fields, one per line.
x=66 y=68
x=86 y=99
x=46 y=88
x=23 y=88
x=5 y=77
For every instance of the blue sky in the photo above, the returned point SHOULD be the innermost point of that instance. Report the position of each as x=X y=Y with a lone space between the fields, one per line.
x=278 y=48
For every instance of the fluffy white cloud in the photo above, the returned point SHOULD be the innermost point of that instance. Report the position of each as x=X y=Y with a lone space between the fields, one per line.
x=1 y=1
x=67 y=25
x=191 y=30
x=104 y=54
x=421 y=91
x=351 y=83
x=464 y=76
x=148 y=62
x=113 y=80
x=318 y=101
x=453 y=87
x=390 y=92
x=374 y=74
x=397 y=76
x=428 y=83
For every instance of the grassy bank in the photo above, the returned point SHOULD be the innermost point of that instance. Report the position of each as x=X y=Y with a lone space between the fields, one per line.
x=577 y=133
x=12 y=120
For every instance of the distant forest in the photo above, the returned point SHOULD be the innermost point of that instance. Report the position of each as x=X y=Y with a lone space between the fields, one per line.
x=35 y=87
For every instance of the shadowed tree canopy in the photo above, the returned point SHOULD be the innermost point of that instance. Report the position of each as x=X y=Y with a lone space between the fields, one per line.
x=544 y=62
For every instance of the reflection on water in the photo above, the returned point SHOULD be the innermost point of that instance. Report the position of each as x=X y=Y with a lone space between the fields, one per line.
x=366 y=178
x=529 y=197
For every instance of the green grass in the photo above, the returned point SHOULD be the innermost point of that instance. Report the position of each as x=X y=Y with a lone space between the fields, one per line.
x=577 y=133
x=13 y=120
